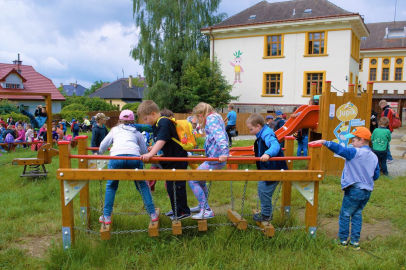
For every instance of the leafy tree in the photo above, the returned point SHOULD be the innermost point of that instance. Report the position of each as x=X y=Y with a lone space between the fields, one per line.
x=91 y=104
x=137 y=82
x=131 y=106
x=16 y=116
x=96 y=85
x=62 y=91
x=7 y=107
x=170 y=35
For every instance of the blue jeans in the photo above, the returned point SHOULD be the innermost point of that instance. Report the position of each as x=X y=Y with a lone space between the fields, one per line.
x=354 y=201
x=265 y=192
x=112 y=185
x=389 y=155
x=302 y=146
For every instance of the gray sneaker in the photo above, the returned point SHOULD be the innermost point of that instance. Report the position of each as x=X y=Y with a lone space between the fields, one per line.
x=195 y=209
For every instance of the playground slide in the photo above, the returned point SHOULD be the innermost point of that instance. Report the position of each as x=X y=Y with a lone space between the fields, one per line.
x=307 y=117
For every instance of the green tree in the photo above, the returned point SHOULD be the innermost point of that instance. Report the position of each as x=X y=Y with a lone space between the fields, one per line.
x=7 y=107
x=96 y=85
x=170 y=35
x=91 y=104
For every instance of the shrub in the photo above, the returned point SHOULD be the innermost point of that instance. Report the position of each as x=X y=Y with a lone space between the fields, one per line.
x=6 y=107
x=16 y=117
x=74 y=110
x=131 y=106
x=91 y=104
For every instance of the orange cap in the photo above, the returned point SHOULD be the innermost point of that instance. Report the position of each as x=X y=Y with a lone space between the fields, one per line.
x=360 y=132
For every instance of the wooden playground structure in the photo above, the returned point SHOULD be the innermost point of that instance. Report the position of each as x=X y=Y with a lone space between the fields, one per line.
x=76 y=180
x=36 y=166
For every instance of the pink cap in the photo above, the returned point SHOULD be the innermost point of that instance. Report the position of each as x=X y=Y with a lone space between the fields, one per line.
x=127 y=115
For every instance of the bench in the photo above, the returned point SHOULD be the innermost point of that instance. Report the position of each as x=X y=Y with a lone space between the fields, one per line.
x=36 y=165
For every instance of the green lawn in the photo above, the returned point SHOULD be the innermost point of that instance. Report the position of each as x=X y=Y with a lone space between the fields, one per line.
x=30 y=224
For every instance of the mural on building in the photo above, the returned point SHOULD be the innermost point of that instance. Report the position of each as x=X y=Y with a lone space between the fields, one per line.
x=236 y=63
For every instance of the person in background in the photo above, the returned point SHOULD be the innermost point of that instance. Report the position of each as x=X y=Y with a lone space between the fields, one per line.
x=29 y=134
x=269 y=121
x=86 y=124
x=74 y=128
x=42 y=133
x=63 y=125
x=20 y=134
x=373 y=124
x=231 y=120
x=279 y=121
x=10 y=121
x=302 y=137
x=387 y=112
x=381 y=138
x=99 y=131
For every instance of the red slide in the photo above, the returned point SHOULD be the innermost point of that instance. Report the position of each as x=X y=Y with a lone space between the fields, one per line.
x=307 y=116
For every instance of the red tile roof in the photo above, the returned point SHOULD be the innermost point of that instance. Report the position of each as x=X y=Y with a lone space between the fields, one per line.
x=6 y=71
x=36 y=83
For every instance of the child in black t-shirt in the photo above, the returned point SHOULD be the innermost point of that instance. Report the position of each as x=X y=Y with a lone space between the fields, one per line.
x=164 y=131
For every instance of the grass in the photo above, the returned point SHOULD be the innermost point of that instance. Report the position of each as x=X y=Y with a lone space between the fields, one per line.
x=31 y=219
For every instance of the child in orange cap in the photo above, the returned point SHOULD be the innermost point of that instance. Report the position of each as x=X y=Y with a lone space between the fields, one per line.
x=360 y=171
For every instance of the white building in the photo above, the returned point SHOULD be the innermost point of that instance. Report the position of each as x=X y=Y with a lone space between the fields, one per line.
x=382 y=61
x=272 y=52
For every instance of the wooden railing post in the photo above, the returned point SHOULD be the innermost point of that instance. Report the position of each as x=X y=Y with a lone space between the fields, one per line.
x=68 y=233
x=84 y=192
x=287 y=186
x=311 y=210
x=351 y=89
x=370 y=87
x=313 y=89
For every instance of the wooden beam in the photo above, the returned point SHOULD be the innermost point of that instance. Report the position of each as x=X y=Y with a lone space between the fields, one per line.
x=237 y=220
x=182 y=175
x=105 y=232
x=153 y=228
x=202 y=225
x=84 y=192
x=176 y=227
x=266 y=226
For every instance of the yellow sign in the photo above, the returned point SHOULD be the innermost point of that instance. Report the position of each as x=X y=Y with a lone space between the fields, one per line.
x=347 y=112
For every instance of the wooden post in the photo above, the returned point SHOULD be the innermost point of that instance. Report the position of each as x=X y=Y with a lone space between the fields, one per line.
x=311 y=210
x=370 y=87
x=68 y=233
x=48 y=104
x=176 y=227
x=351 y=89
x=313 y=89
x=153 y=228
x=287 y=186
x=84 y=192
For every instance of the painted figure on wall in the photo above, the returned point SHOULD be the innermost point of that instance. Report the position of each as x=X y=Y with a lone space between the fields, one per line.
x=237 y=66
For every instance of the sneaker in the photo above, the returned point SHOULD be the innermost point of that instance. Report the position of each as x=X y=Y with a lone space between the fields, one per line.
x=168 y=214
x=260 y=217
x=355 y=245
x=195 y=209
x=182 y=216
x=341 y=243
x=154 y=217
x=389 y=161
x=206 y=215
x=105 y=219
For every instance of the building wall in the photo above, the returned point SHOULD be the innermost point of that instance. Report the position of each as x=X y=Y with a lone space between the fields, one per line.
x=391 y=85
x=117 y=102
x=292 y=65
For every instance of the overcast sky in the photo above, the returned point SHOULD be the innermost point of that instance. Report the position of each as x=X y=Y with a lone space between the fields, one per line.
x=89 y=40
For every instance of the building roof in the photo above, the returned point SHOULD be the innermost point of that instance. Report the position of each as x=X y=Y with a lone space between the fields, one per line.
x=36 y=83
x=6 y=71
x=119 y=90
x=74 y=89
x=377 y=38
x=265 y=12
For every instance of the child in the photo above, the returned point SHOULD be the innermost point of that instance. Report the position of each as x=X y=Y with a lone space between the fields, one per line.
x=75 y=128
x=42 y=134
x=127 y=141
x=215 y=145
x=265 y=146
x=302 y=138
x=380 y=143
x=360 y=171
x=29 y=135
x=164 y=130
x=231 y=120
x=99 y=131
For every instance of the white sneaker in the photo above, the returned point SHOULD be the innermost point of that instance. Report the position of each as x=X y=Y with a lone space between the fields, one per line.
x=195 y=209
x=389 y=161
x=207 y=214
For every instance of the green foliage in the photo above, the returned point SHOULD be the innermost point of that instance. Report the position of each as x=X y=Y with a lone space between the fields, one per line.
x=7 y=107
x=170 y=34
x=137 y=82
x=93 y=88
x=91 y=104
x=201 y=81
x=16 y=117
x=74 y=107
x=62 y=91
x=74 y=110
x=131 y=106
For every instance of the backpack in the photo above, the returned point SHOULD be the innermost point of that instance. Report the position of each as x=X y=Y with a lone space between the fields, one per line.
x=395 y=122
x=9 y=138
x=184 y=130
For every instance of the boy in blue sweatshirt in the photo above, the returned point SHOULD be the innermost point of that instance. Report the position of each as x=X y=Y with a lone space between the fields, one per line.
x=265 y=147
x=360 y=171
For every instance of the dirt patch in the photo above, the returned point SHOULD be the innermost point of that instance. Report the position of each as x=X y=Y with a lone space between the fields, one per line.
x=369 y=231
x=36 y=246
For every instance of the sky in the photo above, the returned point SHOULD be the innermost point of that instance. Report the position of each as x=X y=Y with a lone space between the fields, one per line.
x=85 y=41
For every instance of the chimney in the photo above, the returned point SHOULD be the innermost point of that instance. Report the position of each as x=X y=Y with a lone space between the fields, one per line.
x=61 y=85
x=130 y=81
x=18 y=62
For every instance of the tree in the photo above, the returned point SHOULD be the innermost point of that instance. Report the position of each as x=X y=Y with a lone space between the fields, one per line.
x=92 y=104
x=170 y=35
x=93 y=88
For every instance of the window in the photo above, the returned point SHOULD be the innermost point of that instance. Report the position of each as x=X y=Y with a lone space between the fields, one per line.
x=317 y=77
x=355 y=46
x=273 y=46
x=316 y=43
x=385 y=69
x=272 y=84
x=398 y=74
x=13 y=85
x=385 y=74
x=372 y=74
x=398 y=69
x=361 y=60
